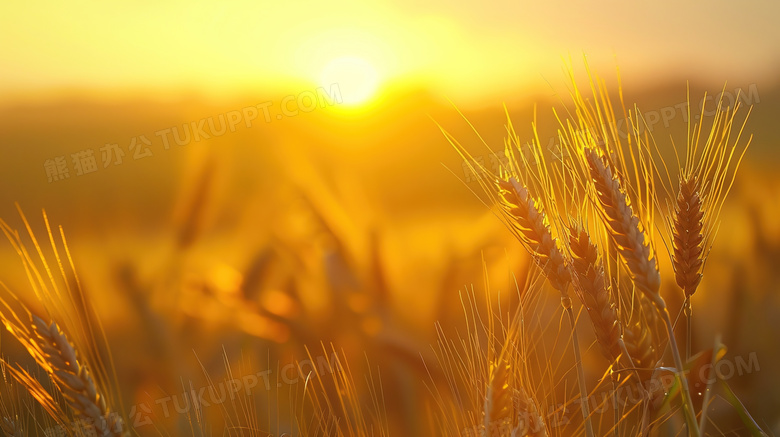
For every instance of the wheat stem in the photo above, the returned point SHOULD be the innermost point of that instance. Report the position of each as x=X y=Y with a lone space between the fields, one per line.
x=693 y=428
x=688 y=327
x=585 y=402
x=615 y=406
x=710 y=382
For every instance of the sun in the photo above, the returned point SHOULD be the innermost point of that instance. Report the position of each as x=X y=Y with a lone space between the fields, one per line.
x=355 y=78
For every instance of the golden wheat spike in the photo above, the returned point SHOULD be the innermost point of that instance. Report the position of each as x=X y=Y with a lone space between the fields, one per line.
x=534 y=232
x=640 y=345
x=507 y=405
x=688 y=228
x=498 y=406
x=74 y=381
x=624 y=226
x=591 y=286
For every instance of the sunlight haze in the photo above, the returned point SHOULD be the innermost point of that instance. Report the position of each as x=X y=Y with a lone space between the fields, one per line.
x=454 y=48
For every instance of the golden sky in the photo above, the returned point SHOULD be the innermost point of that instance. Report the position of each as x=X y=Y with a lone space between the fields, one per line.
x=458 y=49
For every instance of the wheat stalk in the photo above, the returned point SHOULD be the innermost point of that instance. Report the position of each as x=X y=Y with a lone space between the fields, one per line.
x=74 y=380
x=632 y=243
x=636 y=342
x=533 y=230
x=688 y=245
x=703 y=187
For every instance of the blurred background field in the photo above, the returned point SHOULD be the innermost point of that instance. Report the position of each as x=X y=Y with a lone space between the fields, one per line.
x=353 y=224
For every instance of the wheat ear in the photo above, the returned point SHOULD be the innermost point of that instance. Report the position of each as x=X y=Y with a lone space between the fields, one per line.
x=506 y=405
x=591 y=287
x=688 y=233
x=74 y=380
x=624 y=226
x=498 y=406
x=533 y=230
x=640 y=346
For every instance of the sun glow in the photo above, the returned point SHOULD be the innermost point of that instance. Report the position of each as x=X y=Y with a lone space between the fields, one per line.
x=356 y=79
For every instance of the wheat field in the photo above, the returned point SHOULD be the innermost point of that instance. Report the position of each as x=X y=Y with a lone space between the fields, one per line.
x=608 y=286
x=389 y=218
